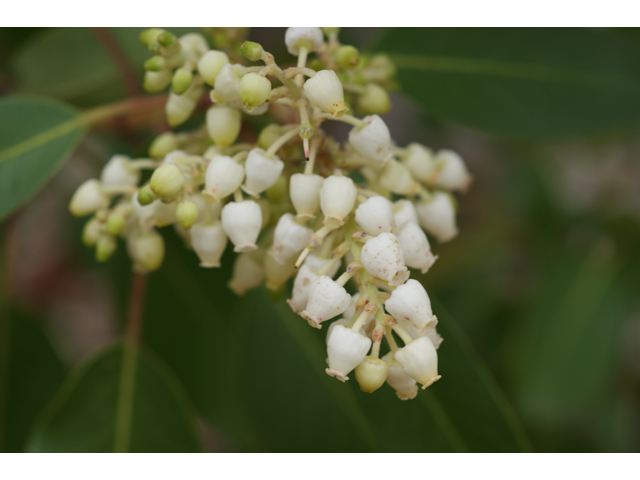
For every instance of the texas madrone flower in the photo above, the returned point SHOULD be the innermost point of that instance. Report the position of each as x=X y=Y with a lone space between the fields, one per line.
x=287 y=200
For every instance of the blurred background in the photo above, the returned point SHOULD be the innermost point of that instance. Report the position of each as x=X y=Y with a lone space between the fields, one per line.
x=538 y=297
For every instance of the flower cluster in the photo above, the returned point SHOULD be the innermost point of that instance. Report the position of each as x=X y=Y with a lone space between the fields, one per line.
x=287 y=200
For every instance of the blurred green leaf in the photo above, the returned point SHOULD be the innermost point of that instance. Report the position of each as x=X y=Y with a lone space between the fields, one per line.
x=123 y=399
x=36 y=136
x=256 y=372
x=30 y=372
x=532 y=83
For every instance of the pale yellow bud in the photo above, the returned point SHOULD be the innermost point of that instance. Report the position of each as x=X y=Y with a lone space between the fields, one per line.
x=105 y=247
x=371 y=374
x=162 y=145
x=223 y=125
x=155 y=82
x=374 y=100
x=91 y=232
x=167 y=180
x=254 y=90
x=147 y=251
x=88 y=198
x=187 y=213
x=210 y=65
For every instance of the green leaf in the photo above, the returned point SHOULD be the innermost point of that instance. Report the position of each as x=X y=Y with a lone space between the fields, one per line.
x=30 y=374
x=531 y=83
x=36 y=136
x=122 y=400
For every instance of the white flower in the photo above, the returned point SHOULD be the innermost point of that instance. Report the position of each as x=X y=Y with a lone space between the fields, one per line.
x=435 y=337
x=167 y=180
x=419 y=360
x=420 y=162
x=193 y=46
x=179 y=108
x=341 y=321
x=452 y=173
x=289 y=238
x=403 y=384
x=247 y=274
x=277 y=273
x=210 y=65
x=144 y=213
x=146 y=249
x=305 y=193
x=345 y=349
x=371 y=374
x=375 y=216
x=223 y=177
x=223 y=124
x=416 y=248
x=118 y=171
x=438 y=217
x=301 y=286
x=373 y=140
x=262 y=172
x=324 y=90
x=309 y=37
x=327 y=299
x=226 y=84
x=396 y=177
x=163 y=213
x=241 y=221
x=316 y=263
x=88 y=198
x=403 y=212
x=253 y=90
x=410 y=303
x=208 y=241
x=337 y=199
x=382 y=257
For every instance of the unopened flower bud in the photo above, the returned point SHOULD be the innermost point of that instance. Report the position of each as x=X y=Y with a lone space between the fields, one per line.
x=150 y=35
x=147 y=251
x=289 y=238
x=420 y=162
x=410 y=303
x=345 y=349
x=226 y=84
x=268 y=135
x=162 y=145
x=277 y=273
x=179 y=108
x=115 y=223
x=397 y=178
x=301 y=286
x=403 y=212
x=403 y=384
x=337 y=199
x=253 y=90
x=324 y=90
x=375 y=216
x=374 y=101
x=309 y=37
x=452 y=172
x=187 y=213
x=118 y=172
x=144 y=213
x=91 y=232
x=210 y=65
x=223 y=125
x=223 y=177
x=247 y=274
x=383 y=258
x=105 y=247
x=416 y=248
x=164 y=213
x=167 y=39
x=181 y=81
x=419 y=360
x=438 y=217
x=88 y=198
x=373 y=140
x=155 y=64
x=330 y=30
x=167 y=180
x=305 y=193
x=241 y=222
x=327 y=299
x=347 y=57
x=371 y=374
x=262 y=172
x=145 y=195
x=208 y=241
x=252 y=50
x=155 y=82
x=194 y=46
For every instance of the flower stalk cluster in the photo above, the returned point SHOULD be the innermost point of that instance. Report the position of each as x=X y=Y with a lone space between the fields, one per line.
x=287 y=201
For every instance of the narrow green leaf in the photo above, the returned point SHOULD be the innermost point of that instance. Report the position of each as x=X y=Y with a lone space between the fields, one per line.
x=530 y=83
x=122 y=399
x=36 y=136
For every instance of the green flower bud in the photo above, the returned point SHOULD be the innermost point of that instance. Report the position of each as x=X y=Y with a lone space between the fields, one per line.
x=167 y=39
x=329 y=30
x=147 y=37
x=91 y=232
x=252 y=50
x=147 y=251
x=105 y=247
x=210 y=65
x=347 y=57
x=374 y=101
x=163 y=144
x=187 y=213
x=115 y=224
x=167 y=181
x=146 y=195
x=181 y=81
x=223 y=125
x=371 y=374
x=268 y=135
x=253 y=89
x=155 y=64
x=155 y=82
